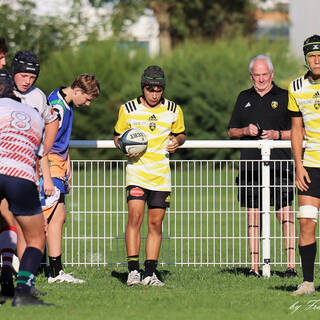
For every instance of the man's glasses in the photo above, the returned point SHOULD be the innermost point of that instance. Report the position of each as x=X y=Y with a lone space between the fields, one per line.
x=152 y=89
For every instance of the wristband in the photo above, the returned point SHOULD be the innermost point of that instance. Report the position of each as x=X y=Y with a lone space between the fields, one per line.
x=280 y=135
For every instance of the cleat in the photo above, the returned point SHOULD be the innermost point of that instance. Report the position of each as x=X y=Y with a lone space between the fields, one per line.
x=134 y=278
x=27 y=299
x=35 y=292
x=305 y=287
x=64 y=277
x=152 y=281
x=7 y=287
x=290 y=273
x=254 y=273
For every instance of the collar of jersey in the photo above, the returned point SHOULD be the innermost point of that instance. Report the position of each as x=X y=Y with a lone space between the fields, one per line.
x=308 y=77
x=139 y=100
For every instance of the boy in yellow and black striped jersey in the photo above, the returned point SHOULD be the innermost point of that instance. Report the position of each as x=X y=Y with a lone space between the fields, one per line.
x=304 y=105
x=148 y=178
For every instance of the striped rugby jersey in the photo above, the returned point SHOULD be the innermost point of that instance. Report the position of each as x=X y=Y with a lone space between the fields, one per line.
x=304 y=97
x=21 y=133
x=151 y=170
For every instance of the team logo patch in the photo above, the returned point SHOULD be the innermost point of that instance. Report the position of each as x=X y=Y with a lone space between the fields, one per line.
x=317 y=100
x=274 y=104
x=136 y=192
x=152 y=124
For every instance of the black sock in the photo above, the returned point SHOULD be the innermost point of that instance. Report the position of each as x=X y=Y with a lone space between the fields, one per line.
x=28 y=268
x=308 y=255
x=133 y=263
x=150 y=267
x=55 y=266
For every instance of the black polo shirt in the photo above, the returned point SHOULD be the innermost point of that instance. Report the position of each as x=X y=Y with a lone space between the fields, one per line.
x=269 y=111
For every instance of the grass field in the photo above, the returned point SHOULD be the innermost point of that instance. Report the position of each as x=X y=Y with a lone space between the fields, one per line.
x=189 y=293
x=204 y=226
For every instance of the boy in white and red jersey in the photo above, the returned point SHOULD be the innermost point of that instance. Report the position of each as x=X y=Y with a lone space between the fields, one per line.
x=25 y=68
x=21 y=133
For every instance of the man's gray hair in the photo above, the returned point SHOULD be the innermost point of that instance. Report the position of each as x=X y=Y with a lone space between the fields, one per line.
x=261 y=57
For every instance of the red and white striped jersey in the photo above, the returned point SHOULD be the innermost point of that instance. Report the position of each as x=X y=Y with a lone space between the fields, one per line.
x=21 y=137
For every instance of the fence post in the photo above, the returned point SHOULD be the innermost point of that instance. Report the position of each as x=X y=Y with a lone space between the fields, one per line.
x=265 y=152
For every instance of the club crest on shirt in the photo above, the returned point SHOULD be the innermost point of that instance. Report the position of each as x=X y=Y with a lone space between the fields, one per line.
x=274 y=104
x=316 y=104
x=152 y=123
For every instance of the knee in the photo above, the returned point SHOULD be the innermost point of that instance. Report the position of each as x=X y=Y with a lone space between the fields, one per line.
x=155 y=225
x=37 y=241
x=135 y=219
x=307 y=229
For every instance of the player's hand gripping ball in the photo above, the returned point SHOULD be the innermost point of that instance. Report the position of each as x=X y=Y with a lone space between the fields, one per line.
x=133 y=141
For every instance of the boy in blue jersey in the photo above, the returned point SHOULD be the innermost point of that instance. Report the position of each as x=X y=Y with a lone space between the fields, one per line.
x=83 y=90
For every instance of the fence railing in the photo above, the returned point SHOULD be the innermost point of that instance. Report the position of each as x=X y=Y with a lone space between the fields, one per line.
x=205 y=224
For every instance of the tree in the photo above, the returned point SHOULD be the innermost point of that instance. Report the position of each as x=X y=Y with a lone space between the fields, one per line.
x=182 y=19
x=25 y=30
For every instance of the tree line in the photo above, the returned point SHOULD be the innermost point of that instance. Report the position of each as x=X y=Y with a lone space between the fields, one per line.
x=206 y=69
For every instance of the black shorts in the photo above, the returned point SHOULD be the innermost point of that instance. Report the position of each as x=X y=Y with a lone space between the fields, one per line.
x=281 y=185
x=314 y=186
x=21 y=194
x=154 y=199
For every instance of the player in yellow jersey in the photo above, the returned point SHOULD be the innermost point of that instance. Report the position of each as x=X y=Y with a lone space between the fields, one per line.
x=304 y=105
x=148 y=178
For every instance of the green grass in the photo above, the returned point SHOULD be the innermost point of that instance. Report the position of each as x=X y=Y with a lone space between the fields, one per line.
x=95 y=236
x=189 y=293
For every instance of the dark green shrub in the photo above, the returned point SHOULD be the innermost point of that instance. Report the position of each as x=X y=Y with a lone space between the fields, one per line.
x=203 y=77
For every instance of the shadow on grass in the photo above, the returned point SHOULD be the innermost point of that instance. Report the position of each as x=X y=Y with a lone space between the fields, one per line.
x=289 y=288
x=123 y=276
x=245 y=272
x=236 y=271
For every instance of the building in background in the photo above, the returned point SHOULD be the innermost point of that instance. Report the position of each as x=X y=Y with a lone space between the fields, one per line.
x=144 y=33
x=304 y=22
x=291 y=19
x=272 y=18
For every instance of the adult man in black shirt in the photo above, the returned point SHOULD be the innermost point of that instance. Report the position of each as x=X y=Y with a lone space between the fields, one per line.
x=261 y=113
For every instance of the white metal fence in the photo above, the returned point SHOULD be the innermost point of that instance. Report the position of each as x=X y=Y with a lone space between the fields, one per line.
x=205 y=224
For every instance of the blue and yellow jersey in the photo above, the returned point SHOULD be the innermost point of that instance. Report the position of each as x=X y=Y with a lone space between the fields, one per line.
x=59 y=152
x=304 y=100
x=151 y=169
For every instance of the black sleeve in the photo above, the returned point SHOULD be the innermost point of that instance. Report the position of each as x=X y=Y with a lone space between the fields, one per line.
x=176 y=134
x=296 y=114
x=235 y=121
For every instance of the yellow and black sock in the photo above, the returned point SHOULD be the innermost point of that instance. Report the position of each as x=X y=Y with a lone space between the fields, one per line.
x=133 y=263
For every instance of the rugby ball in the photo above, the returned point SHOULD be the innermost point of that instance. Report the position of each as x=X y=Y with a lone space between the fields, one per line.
x=133 y=141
